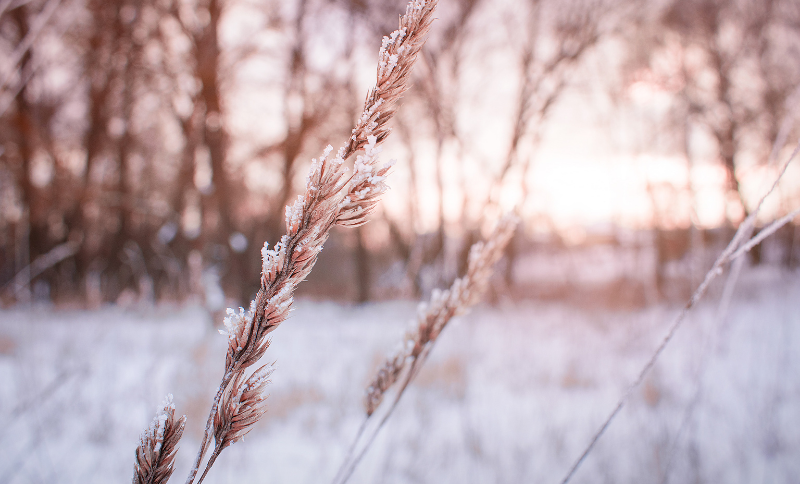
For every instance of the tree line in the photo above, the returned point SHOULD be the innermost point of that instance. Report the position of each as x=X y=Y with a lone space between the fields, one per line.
x=146 y=142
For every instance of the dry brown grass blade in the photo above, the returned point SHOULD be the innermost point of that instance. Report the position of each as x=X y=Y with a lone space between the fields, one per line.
x=157 y=446
x=443 y=306
x=395 y=59
x=331 y=197
x=242 y=405
x=401 y=368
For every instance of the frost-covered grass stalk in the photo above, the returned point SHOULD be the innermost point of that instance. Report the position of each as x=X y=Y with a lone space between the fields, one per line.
x=157 y=446
x=331 y=197
x=400 y=369
x=442 y=307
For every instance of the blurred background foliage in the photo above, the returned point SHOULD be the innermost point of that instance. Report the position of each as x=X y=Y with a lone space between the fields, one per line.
x=148 y=147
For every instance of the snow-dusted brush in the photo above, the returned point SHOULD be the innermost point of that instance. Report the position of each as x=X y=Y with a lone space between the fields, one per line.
x=400 y=369
x=332 y=197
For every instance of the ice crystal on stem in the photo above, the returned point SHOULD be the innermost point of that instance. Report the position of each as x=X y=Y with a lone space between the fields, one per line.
x=366 y=186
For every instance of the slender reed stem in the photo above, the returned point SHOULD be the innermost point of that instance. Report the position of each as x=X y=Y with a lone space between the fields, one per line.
x=226 y=379
x=400 y=369
x=738 y=246
x=332 y=197
x=211 y=461
x=347 y=469
x=349 y=455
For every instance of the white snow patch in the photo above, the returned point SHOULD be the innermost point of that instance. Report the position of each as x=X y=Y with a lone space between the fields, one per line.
x=510 y=394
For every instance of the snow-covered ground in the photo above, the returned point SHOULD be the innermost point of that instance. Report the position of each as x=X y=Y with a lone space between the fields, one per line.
x=511 y=394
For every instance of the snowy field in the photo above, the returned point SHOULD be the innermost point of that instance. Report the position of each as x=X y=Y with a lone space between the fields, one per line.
x=511 y=394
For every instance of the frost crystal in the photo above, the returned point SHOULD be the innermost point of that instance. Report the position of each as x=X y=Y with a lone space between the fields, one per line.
x=339 y=156
x=294 y=215
x=233 y=321
x=366 y=116
x=273 y=258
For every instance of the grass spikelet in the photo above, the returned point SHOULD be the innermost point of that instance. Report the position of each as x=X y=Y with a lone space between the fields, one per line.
x=400 y=369
x=443 y=306
x=331 y=197
x=157 y=446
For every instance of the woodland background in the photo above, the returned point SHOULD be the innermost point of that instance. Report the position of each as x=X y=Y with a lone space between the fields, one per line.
x=148 y=147
x=147 y=151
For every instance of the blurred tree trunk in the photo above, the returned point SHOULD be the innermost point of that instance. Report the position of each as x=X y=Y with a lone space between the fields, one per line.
x=218 y=222
x=32 y=234
x=124 y=231
x=214 y=132
x=440 y=89
x=409 y=249
x=362 y=263
x=542 y=83
x=83 y=217
x=734 y=110
x=183 y=187
x=298 y=122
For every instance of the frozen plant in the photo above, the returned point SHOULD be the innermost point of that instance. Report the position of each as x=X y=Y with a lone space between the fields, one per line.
x=157 y=446
x=331 y=198
x=400 y=369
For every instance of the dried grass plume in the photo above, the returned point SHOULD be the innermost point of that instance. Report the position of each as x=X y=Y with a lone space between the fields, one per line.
x=331 y=197
x=157 y=446
x=443 y=306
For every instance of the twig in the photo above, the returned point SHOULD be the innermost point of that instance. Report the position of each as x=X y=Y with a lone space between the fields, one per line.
x=404 y=365
x=354 y=458
x=41 y=264
x=38 y=24
x=45 y=393
x=226 y=379
x=766 y=232
x=709 y=347
x=350 y=451
x=730 y=253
